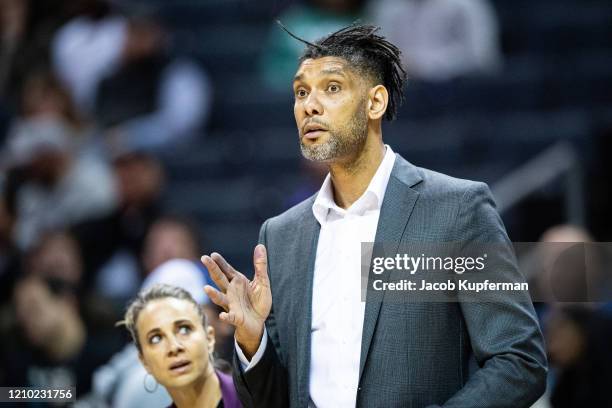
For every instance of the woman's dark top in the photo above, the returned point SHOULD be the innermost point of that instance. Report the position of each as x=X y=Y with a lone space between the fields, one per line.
x=229 y=397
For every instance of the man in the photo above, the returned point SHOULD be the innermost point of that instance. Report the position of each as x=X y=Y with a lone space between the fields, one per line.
x=304 y=337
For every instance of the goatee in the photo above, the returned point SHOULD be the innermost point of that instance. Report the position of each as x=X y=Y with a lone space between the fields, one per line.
x=341 y=142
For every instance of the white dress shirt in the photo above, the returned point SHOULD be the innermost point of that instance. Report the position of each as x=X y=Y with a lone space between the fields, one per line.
x=337 y=308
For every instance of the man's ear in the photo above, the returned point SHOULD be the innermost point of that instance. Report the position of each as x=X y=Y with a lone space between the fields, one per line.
x=378 y=99
x=210 y=336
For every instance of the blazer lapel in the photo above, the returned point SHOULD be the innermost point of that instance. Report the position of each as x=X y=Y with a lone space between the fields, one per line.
x=394 y=215
x=309 y=236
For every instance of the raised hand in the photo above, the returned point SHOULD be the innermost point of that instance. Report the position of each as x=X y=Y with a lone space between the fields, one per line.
x=247 y=303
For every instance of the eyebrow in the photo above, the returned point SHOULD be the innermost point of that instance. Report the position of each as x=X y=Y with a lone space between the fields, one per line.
x=154 y=330
x=176 y=323
x=329 y=71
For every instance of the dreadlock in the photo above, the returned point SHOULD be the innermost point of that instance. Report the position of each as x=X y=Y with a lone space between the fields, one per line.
x=371 y=54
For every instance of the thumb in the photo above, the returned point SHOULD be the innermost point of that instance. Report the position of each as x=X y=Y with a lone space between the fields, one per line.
x=260 y=261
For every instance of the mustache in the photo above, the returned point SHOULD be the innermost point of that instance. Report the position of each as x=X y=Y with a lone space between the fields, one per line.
x=314 y=122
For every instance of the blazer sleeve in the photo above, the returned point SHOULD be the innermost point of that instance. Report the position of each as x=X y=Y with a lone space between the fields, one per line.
x=265 y=384
x=504 y=334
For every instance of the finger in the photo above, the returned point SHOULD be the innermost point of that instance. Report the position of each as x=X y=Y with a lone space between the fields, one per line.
x=228 y=317
x=260 y=262
x=227 y=269
x=217 y=297
x=215 y=273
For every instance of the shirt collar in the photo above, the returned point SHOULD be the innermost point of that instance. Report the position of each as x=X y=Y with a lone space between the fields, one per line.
x=371 y=199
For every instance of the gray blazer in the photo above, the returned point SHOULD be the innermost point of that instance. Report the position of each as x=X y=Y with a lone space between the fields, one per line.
x=412 y=354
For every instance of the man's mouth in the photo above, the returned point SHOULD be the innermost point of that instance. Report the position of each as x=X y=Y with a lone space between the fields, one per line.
x=313 y=131
x=314 y=134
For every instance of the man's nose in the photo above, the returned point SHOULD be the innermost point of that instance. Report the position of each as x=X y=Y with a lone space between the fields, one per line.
x=313 y=105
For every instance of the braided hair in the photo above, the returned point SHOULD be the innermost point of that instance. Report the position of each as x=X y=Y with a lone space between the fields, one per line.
x=368 y=52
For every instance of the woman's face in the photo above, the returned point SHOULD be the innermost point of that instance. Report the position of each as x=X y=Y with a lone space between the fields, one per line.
x=175 y=346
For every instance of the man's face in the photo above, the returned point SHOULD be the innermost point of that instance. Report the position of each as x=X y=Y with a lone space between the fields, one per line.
x=330 y=109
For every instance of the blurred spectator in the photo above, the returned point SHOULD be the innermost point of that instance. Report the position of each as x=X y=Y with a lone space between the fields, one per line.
x=169 y=238
x=442 y=39
x=566 y=233
x=51 y=344
x=577 y=334
x=184 y=273
x=309 y=20
x=54 y=333
x=62 y=185
x=8 y=253
x=87 y=48
x=578 y=343
x=44 y=96
x=119 y=68
x=141 y=180
x=112 y=244
x=56 y=179
x=130 y=257
x=25 y=29
x=120 y=383
x=564 y=270
x=13 y=14
x=57 y=258
x=558 y=279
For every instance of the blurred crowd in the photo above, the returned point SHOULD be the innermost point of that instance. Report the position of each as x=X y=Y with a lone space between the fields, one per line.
x=94 y=97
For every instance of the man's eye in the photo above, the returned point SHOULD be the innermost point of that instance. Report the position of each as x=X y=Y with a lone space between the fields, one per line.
x=184 y=329
x=333 y=88
x=154 y=339
x=301 y=93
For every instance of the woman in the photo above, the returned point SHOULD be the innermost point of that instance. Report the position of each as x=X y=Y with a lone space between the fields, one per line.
x=175 y=345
